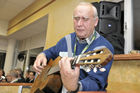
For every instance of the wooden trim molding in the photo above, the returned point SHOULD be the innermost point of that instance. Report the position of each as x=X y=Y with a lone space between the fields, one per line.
x=15 y=84
x=126 y=57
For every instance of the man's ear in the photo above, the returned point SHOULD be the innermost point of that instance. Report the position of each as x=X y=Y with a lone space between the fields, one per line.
x=96 y=21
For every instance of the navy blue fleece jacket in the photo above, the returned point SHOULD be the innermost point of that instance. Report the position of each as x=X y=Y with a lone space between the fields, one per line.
x=91 y=81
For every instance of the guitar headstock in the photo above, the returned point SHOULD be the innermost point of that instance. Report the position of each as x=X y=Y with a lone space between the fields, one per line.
x=97 y=57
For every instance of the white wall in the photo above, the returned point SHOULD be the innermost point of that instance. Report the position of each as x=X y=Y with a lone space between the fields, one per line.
x=32 y=42
x=128 y=26
x=3 y=28
x=3 y=45
x=9 y=60
x=3 y=32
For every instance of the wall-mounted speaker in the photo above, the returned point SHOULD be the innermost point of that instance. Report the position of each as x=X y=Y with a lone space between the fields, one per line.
x=21 y=57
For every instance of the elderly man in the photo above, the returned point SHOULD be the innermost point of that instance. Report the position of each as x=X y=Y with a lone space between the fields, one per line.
x=84 y=39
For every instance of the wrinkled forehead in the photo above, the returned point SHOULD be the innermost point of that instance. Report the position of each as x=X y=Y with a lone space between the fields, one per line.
x=83 y=10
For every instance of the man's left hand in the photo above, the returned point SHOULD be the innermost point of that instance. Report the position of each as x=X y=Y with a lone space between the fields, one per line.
x=69 y=76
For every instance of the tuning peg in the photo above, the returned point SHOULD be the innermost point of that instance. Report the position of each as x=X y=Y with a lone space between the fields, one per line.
x=92 y=61
x=87 y=55
x=102 y=69
x=86 y=61
x=95 y=69
x=101 y=52
x=98 y=60
x=88 y=69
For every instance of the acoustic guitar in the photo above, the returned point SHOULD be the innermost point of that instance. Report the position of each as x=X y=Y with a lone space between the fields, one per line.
x=49 y=81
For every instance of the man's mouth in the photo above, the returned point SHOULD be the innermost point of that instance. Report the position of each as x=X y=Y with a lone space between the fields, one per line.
x=80 y=29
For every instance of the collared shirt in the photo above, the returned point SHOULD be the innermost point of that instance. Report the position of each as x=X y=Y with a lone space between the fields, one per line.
x=87 y=40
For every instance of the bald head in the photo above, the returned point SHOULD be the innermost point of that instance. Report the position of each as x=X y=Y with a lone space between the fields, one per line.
x=90 y=6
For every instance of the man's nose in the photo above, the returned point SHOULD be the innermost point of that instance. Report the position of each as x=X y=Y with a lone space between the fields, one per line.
x=80 y=22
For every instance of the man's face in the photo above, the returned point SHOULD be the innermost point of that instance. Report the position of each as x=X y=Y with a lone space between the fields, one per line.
x=9 y=78
x=84 y=21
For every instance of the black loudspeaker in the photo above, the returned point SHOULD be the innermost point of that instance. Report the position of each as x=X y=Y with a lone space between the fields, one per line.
x=110 y=10
x=108 y=26
x=110 y=23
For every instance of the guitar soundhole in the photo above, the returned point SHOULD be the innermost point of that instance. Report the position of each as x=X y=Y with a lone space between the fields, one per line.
x=48 y=90
x=39 y=91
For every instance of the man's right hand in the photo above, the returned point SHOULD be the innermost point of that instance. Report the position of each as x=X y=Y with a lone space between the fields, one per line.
x=39 y=63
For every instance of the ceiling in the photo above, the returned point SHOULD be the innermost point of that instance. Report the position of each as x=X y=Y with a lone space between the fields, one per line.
x=10 y=8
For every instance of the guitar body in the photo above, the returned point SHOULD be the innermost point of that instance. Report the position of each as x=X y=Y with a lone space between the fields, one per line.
x=45 y=83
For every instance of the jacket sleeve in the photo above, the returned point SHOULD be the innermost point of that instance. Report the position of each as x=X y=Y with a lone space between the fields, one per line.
x=53 y=52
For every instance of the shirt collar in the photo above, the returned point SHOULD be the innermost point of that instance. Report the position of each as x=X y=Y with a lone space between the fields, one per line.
x=87 y=40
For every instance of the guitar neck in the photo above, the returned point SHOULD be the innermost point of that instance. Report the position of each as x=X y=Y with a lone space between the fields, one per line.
x=97 y=57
